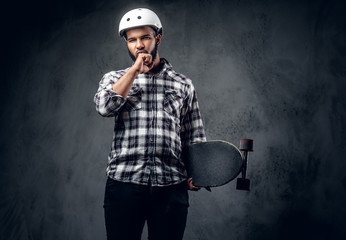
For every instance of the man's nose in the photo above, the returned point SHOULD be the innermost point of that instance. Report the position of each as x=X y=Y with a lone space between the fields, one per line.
x=139 y=44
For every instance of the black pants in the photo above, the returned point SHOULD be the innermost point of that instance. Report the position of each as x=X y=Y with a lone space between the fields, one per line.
x=127 y=206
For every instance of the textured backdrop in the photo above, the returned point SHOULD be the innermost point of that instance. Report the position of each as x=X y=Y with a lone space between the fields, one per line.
x=272 y=70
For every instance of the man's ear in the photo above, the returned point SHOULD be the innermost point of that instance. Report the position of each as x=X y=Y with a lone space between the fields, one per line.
x=158 y=39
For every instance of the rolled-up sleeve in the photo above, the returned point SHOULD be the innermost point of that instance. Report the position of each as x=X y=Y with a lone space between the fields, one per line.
x=192 y=130
x=108 y=103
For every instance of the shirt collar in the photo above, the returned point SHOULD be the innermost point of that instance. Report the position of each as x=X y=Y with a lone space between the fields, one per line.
x=166 y=66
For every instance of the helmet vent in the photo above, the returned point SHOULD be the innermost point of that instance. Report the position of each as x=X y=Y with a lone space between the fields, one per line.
x=139 y=17
x=128 y=19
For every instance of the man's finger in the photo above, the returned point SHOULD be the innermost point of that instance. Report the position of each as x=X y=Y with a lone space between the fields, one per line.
x=191 y=186
x=144 y=62
x=147 y=59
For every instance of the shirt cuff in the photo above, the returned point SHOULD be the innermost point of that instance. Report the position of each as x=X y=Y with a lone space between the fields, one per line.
x=118 y=100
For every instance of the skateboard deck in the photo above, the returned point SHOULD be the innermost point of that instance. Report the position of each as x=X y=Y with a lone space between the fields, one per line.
x=213 y=163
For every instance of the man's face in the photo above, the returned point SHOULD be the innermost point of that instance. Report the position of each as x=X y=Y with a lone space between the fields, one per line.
x=142 y=40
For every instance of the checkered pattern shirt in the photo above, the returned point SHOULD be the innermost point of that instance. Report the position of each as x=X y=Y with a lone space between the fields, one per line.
x=159 y=116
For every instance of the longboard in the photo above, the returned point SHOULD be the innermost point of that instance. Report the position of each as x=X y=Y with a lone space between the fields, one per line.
x=213 y=163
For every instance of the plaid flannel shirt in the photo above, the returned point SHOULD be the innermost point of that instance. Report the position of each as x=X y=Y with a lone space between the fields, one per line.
x=159 y=116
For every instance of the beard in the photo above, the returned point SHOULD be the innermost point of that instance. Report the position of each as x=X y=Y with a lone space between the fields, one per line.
x=152 y=53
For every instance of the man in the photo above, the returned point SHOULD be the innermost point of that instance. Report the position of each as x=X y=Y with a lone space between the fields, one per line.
x=156 y=114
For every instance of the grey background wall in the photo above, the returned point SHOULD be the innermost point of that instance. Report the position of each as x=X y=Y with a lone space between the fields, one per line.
x=269 y=70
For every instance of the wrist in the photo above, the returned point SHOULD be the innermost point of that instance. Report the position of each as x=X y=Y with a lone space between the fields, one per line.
x=134 y=71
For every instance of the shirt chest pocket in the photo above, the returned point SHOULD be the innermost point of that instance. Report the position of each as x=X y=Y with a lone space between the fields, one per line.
x=134 y=99
x=172 y=103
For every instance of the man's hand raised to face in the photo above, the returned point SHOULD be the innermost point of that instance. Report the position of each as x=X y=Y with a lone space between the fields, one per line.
x=143 y=63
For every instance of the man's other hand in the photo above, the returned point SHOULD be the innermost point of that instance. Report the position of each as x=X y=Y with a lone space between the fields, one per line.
x=191 y=186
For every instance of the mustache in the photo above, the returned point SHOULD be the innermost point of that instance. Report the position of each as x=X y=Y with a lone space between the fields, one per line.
x=141 y=51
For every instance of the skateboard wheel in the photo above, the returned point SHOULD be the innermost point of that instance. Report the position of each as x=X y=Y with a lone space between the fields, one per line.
x=246 y=145
x=243 y=184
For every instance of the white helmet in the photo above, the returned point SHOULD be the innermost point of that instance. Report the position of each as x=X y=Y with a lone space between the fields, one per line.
x=139 y=17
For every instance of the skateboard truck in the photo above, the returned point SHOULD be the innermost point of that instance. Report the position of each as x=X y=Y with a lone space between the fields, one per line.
x=246 y=145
